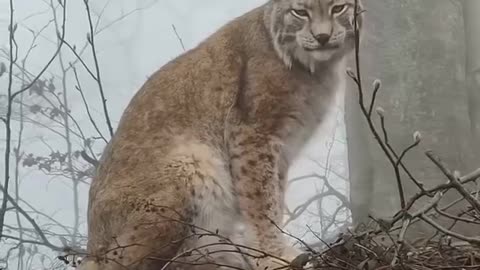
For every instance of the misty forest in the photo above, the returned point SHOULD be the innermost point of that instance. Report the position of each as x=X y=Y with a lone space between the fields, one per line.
x=389 y=179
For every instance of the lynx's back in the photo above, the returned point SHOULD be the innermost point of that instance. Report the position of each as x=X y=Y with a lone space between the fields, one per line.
x=205 y=144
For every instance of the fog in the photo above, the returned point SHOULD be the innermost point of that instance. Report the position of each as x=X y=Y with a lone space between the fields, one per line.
x=135 y=38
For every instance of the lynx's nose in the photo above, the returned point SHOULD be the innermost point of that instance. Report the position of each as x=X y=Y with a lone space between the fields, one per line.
x=322 y=38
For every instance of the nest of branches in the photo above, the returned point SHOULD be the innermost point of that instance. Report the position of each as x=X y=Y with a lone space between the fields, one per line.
x=368 y=252
x=385 y=245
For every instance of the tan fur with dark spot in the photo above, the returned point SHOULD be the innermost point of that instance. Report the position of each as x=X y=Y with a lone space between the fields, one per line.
x=208 y=140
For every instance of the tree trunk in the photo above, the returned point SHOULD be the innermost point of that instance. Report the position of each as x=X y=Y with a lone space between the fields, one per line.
x=471 y=10
x=417 y=49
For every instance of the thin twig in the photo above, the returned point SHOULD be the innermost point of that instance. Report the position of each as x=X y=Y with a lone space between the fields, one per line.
x=357 y=78
x=78 y=87
x=472 y=240
x=454 y=182
x=7 y=120
x=178 y=37
x=91 y=40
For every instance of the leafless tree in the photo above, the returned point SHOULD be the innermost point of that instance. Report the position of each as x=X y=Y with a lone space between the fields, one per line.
x=40 y=99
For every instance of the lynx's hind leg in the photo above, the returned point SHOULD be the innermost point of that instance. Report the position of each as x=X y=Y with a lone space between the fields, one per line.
x=189 y=210
x=146 y=231
x=215 y=216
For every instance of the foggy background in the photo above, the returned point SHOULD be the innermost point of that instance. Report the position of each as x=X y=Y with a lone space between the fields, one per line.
x=134 y=39
x=418 y=51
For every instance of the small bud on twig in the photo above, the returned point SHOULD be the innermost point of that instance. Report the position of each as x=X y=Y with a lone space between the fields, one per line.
x=457 y=175
x=10 y=29
x=417 y=136
x=89 y=38
x=380 y=111
x=350 y=72
x=3 y=69
x=377 y=84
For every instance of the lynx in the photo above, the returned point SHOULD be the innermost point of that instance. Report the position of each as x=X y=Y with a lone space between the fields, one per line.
x=198 y=164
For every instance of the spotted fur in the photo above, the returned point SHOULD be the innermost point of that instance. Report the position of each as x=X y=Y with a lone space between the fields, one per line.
x=204 y=146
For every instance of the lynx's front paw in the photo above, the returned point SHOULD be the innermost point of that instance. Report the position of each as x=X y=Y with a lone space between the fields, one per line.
x=302 y=261
x=290 y=253
x=292 y=259
x=298 y=259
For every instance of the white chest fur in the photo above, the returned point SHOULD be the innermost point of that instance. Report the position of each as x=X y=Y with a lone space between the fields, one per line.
x=313 y=113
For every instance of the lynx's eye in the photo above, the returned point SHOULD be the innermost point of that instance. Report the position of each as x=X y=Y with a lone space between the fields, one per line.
x=338 y=9
x=300 y=13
